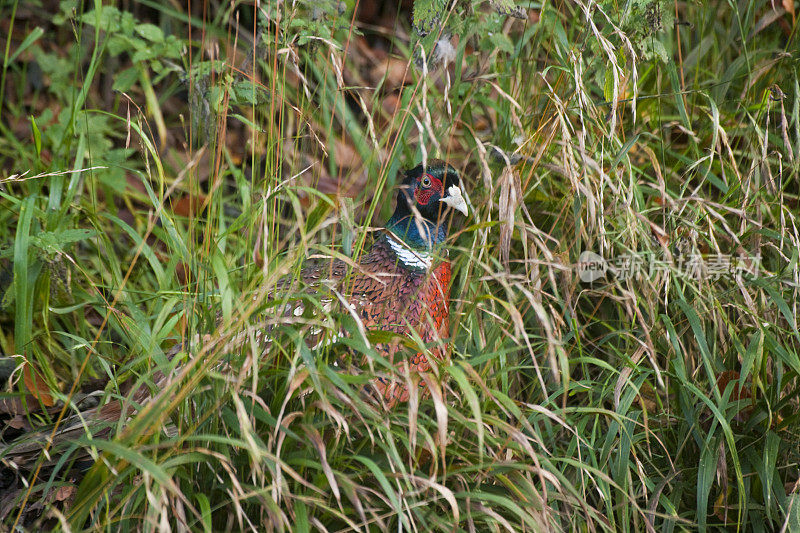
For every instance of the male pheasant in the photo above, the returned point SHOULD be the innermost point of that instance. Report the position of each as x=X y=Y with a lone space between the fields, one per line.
x=402 y=284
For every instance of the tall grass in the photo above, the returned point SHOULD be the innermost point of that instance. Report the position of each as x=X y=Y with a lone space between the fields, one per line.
x=168 y=210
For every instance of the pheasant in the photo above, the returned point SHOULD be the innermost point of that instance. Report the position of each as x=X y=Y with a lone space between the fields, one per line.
x=401 y=284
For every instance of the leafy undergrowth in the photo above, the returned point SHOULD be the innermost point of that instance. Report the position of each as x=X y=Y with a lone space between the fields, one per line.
x=164 y=169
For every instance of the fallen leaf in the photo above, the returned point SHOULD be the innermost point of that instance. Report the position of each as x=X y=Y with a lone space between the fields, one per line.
x=187 y=205
x=65 y=491
x=18 y=422
x=36 y=385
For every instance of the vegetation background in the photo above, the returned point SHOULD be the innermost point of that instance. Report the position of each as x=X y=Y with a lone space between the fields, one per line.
x=164 y=164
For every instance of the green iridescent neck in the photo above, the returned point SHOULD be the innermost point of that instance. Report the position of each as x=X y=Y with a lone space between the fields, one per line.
x=420 y=234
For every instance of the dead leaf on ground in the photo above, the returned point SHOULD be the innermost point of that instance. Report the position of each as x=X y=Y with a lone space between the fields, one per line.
x=36 y=385
x=189 y=204
x=18 y=422
x=65 y=492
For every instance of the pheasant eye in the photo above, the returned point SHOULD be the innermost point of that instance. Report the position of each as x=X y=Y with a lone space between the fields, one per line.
x=426 y=181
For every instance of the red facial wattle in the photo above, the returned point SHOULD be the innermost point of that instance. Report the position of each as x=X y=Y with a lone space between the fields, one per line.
x=423 y=195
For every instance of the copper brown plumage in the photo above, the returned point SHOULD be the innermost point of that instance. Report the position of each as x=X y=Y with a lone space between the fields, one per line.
x=402 y=284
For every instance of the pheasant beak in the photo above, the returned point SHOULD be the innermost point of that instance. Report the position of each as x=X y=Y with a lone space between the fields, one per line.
x=455 y=200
